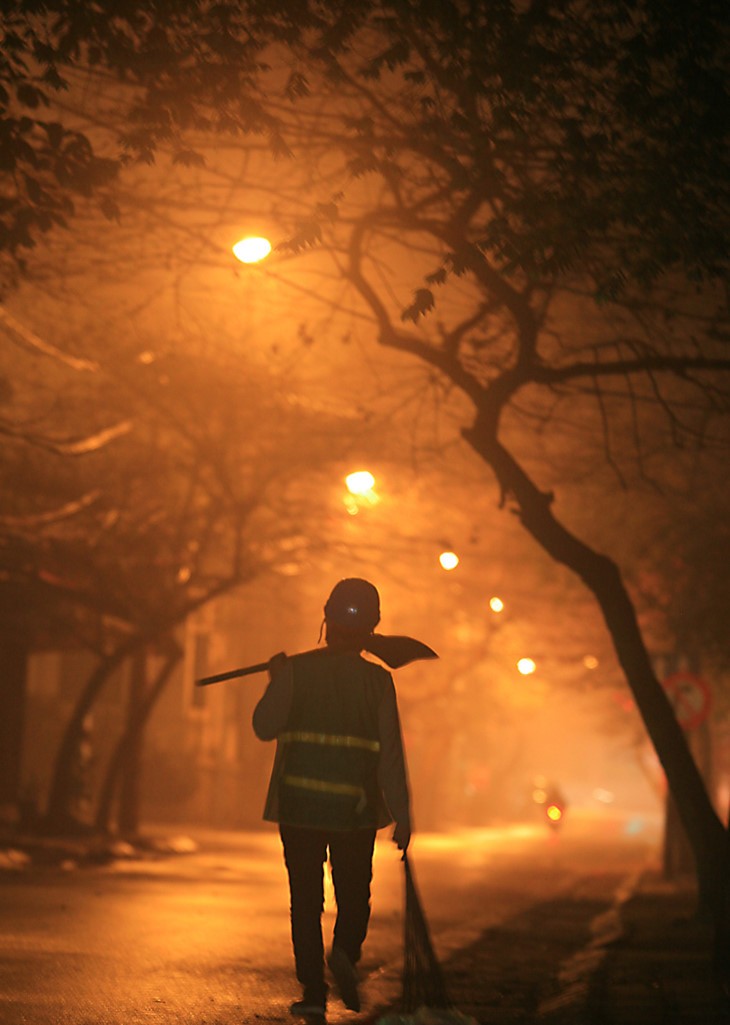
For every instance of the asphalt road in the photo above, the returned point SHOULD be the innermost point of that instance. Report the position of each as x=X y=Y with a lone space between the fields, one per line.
x=202 y=938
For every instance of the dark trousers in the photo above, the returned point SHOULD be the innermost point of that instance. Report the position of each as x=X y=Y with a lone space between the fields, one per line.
x=351 y=858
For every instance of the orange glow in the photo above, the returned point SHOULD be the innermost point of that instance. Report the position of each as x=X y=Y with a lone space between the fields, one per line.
x=252 y=249
x=526 y=666
x=496 y=604
x=351 y=505
x=554 y=812
x=449 y=560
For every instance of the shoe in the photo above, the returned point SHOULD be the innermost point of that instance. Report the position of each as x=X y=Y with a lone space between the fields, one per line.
x=312 y=1005
x=345 y=977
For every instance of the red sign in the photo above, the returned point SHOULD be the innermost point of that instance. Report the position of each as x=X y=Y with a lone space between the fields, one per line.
x=690 y=696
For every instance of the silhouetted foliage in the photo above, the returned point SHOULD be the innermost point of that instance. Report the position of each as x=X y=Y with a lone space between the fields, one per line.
x=595 y=132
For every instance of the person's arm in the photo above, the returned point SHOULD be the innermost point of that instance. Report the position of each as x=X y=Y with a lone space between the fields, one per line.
x=392 y=773
x=271 y=713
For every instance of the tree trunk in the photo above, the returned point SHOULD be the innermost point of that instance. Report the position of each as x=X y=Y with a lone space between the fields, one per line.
x=677 y=856
x=13 y=670
x=59 y=815
x=704 y=829
x=129 y=777
x=721 y=952
x=129 y=746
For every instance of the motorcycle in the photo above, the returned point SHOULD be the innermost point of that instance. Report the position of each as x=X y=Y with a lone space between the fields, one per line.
x=551 y=803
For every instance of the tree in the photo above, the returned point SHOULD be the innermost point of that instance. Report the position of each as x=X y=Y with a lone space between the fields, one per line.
x=503 y=147
x=115 y=544
x=569 y=89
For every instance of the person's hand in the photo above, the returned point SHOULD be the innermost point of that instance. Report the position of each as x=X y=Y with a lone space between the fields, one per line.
x=402 y=836
x=277 y=663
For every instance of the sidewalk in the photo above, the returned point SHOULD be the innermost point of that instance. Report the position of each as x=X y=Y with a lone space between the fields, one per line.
x=644 y=961
x=660 y=971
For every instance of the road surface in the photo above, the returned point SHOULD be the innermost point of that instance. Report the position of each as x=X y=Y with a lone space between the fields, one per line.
x=203 y=938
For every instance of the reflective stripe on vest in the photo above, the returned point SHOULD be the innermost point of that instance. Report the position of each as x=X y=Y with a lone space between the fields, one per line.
x=331 y=739
x=327 y=788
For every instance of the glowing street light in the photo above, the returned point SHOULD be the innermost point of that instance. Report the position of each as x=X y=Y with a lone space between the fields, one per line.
x=360 y=482
x=526 y=666
x=252 y=249
x=496 y=604
x=449 y=560
x=361 y=488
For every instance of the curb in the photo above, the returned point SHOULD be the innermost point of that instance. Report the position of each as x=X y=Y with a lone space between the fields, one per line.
x=577 y=973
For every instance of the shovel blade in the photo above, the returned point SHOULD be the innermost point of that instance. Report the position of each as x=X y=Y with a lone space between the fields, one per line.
x=398 y=651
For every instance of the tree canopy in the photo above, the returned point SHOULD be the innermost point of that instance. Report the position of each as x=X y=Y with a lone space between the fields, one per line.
x=586 y=135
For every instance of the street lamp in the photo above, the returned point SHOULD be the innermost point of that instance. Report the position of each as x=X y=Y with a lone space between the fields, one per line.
x=449 y=560
x=496 y=604
x=360 y=482
x=252 y=249
x=361 y=491
x=526 y=666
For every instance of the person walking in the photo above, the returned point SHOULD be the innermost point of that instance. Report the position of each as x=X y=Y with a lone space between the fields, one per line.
x=339 y=775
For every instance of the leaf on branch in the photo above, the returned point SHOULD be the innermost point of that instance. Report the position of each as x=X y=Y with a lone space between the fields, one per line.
x=52 y=78
x=465 y=258
x=32 y=185
x=296 y=86
x=188 y=158
x=364 y=164
x=110 y=209
x=423 y=302
x=361 y=125
x=307 y=235
x=31 y=97
x=55 y=132
x=438 y=277
x=326 y=211
x=392 y=57
x=278 y=145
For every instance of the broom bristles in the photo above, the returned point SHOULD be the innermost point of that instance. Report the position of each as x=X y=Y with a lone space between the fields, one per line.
x=423 y=979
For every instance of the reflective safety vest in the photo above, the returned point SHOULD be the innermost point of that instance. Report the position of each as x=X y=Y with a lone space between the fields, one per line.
x=327 y=757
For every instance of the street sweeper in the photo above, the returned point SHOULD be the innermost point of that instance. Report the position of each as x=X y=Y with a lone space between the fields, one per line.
x=339 y=775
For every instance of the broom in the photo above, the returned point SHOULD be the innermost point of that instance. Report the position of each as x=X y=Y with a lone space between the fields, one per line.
x=423 y=979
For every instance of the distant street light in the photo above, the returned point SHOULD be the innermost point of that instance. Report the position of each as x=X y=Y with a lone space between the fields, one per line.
x=496 y=604
x=361 y=488
x=360 y=482
x=449 y=560
x=252 y=249
x=526 y=666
